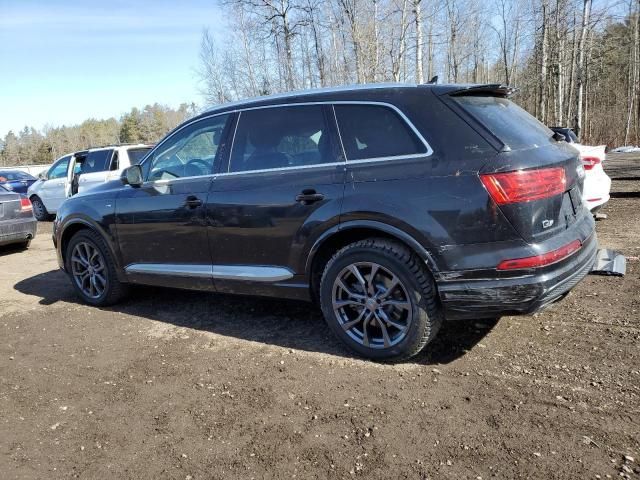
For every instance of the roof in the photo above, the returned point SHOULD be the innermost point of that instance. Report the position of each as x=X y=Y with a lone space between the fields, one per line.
x=438 y=89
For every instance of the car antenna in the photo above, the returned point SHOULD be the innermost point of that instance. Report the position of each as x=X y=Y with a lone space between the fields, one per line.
x=433 y=81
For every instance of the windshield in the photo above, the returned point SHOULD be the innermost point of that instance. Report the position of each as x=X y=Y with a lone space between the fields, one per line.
x=512 y=125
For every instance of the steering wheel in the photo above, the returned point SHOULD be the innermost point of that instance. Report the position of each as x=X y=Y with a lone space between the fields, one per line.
x=204 y=167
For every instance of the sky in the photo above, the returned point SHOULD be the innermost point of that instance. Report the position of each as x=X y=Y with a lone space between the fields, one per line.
x=63 y=61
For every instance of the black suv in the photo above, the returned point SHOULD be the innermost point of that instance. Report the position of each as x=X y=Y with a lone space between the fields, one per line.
x=392 y=206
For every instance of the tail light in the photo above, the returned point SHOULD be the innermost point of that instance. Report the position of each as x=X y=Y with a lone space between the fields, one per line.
x=525 y=185
x=589 y=162
x=541 y=260
x=25 y=205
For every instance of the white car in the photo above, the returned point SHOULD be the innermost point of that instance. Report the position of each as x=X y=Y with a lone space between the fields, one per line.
x=79 y=171
x=597 y=183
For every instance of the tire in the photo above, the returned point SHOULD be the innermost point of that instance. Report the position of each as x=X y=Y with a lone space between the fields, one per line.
x=87 y=244
x=39 y=210
x=411 y=304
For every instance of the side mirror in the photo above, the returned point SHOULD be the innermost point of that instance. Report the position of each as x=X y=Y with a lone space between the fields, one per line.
x=132 y=176
x=42 y=175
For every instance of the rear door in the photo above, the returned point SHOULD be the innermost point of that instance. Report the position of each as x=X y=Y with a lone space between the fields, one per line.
x=94 y=169
x=283 y=185
x=161 y=225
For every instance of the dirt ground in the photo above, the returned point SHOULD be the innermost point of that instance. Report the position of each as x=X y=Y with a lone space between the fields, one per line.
x=183 y=385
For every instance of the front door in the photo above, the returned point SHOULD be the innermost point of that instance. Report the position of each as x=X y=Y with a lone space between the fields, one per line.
x=161 y=225
x=284 y=180
x=52 y=191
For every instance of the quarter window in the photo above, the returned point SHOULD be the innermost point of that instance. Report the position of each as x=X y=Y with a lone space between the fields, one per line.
x=189 y=153
x=280 y=137
x=375 y=131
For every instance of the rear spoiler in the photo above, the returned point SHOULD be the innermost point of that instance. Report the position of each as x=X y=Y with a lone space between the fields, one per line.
x=489 y=89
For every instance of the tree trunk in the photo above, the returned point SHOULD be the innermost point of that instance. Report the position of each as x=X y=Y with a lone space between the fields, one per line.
x=580 y=68
x=417 y=11
x=542 y=99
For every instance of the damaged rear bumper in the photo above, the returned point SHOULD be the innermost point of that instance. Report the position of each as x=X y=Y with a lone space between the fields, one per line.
x=472 y=297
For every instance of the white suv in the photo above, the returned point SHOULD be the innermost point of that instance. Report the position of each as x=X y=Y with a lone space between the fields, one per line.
x=79 y=171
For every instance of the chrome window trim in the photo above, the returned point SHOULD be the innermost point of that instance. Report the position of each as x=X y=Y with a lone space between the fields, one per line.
x=331 y=103
x=255 y=273
x=406 y=120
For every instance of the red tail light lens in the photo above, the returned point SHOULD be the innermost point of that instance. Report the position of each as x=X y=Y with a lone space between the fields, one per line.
x=589 y=162
x=25 y=205
x=541 y=260
x=525 y=185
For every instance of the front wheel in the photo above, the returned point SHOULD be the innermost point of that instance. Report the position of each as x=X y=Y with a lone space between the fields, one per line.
x=39 y=210
x=380 y=300
x=92 y=270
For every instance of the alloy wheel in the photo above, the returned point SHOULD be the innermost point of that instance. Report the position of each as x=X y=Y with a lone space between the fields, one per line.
x=88 y=269
x=372 y=305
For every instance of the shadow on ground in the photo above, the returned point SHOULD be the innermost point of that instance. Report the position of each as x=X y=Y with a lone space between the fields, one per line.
x=284 y=323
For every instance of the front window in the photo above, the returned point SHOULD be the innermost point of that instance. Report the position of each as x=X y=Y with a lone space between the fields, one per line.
x=59 y=169
x=189 y=153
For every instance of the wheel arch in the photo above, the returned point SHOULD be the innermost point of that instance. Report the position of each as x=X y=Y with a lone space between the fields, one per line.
x=75 y=225
x=345 y=233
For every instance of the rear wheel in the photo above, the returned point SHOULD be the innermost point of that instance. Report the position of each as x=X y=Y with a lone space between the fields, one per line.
x=92 y=271
x=39 y=210
x=380 y=300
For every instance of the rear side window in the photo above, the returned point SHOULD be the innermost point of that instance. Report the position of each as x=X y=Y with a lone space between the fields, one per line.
x=137 y=154
x=376 y=131
x=281 y=137
x=97 y=161
x=512 y=125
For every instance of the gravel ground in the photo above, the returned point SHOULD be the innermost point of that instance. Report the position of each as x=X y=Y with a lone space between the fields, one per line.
x=186 y=385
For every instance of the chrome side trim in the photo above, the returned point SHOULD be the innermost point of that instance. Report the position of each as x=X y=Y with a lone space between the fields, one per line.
x=175 y=270
x=221 y=272
x=251 y=273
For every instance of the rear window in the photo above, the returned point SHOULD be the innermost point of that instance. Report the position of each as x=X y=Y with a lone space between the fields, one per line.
x=15 y=175
x=511 y=124
x=376 y=131
x=137 y=154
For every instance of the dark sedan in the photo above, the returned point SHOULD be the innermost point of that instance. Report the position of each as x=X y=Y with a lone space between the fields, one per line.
x=16 y=180
x=17 y=224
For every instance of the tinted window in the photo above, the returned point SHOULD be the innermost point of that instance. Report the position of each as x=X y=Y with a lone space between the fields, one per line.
x=507 y=121
x=281 y=137
x=374 y=131
x=12 y=175
x=97 y=161
x=137 y=154
x=59 y=169
x=189 y=153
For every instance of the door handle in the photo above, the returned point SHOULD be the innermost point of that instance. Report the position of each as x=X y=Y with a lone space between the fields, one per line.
x=193 y=201
x=309 y=196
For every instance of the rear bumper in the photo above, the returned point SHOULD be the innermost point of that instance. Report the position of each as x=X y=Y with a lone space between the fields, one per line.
x=18 y=230
x=525 y=294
